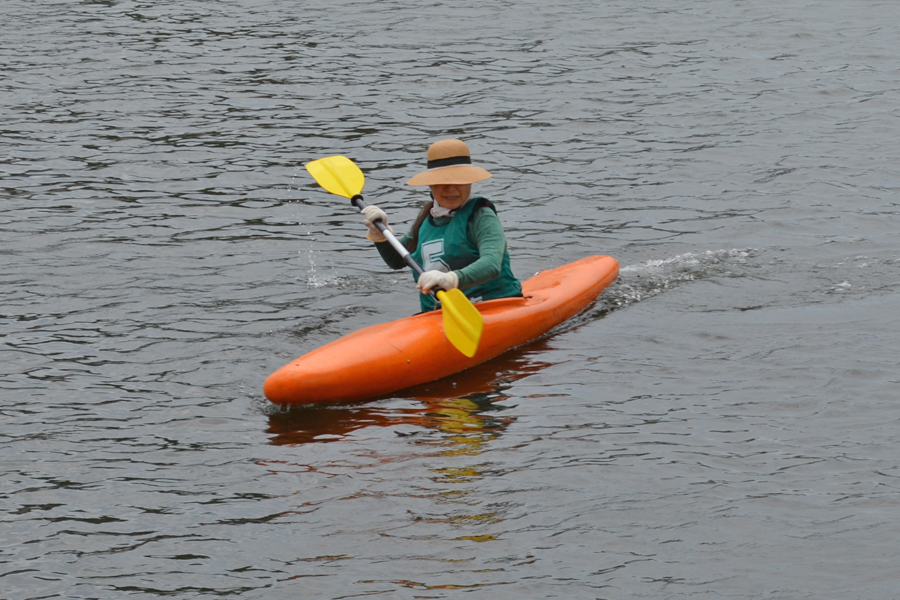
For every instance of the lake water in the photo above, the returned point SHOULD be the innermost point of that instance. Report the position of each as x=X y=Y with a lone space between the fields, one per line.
x=723 y=423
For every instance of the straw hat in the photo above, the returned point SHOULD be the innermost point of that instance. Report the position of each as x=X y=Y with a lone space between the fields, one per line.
x=449 y=162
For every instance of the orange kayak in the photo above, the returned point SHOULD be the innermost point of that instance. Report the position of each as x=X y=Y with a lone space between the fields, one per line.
x=392 y=356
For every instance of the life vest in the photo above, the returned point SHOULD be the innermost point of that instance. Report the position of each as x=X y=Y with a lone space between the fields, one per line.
x=448 y=248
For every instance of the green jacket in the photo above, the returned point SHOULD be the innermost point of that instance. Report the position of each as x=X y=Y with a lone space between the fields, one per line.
x=471 y=243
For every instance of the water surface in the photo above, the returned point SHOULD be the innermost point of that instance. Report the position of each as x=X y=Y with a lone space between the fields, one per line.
x=720 y=424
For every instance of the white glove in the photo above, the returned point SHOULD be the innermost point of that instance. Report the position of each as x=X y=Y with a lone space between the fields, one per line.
x=372 y=213
x=430 y=279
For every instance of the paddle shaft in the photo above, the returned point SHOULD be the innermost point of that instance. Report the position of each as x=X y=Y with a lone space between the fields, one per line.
x=359 y=203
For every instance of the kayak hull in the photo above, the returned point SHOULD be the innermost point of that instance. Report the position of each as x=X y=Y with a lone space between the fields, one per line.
x=391 y=356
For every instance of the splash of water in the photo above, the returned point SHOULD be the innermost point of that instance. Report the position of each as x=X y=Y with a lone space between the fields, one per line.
x=315 y=279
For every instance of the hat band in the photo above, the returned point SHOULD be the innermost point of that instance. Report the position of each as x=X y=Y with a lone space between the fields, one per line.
x=447 y=162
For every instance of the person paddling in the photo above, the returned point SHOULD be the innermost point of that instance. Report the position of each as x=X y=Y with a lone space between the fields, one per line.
x=457 y=237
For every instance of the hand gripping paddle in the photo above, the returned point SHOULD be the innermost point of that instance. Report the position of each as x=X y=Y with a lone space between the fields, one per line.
x=462 y=321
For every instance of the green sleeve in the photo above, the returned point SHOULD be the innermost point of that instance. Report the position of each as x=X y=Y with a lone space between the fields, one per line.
x=486 y=231
x=390 y=256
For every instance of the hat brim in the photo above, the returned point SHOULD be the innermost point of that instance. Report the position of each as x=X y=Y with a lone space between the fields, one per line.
x=453 y=175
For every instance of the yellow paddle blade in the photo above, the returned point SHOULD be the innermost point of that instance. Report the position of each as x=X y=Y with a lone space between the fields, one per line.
x=462 y=321
x=337 y=174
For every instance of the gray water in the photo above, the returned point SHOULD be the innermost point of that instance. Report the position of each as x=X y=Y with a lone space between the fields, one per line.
x=722 y=423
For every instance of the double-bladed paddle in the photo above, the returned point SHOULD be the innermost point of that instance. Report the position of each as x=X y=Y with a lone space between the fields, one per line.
x=462 y=321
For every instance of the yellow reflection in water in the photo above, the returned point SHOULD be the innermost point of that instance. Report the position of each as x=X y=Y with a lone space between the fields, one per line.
x=470 y=430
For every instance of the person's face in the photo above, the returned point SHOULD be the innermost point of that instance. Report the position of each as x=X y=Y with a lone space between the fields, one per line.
x=451 y=196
